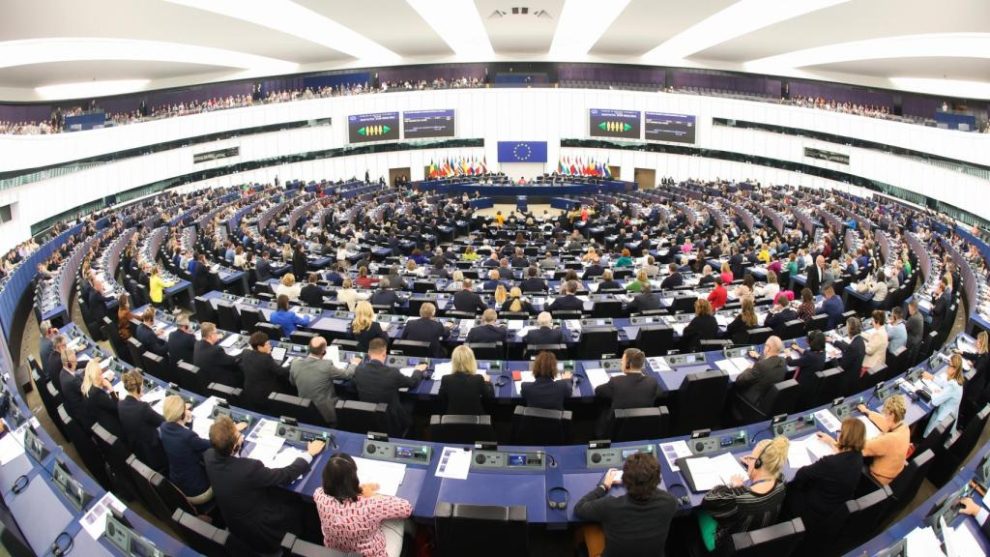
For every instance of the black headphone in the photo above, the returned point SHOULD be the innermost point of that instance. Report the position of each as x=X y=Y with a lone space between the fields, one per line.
x=501 y=380
x=563 y=498
x=62 y=544
x=684 y=500
x=758 y=463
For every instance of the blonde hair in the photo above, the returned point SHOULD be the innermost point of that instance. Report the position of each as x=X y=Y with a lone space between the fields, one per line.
x=982 y=342
x=427 y=310
x=288 y=279
x=516 y=295
x=457 y=276
x=364 y=316
x=462 y=360
x=895 y=406
x=92 y=377
x=956 y=362
x=174 y=408
x=500 y=294
x=748 y=312
x=774 y=455
x=133 y=381
x=725 y=267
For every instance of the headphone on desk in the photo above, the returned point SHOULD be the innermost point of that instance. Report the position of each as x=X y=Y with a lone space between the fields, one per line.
x=558 y=502
x=500 y=380
x=683 y=500
x=62 y=544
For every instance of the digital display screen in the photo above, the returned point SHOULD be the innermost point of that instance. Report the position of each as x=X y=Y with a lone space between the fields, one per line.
x=381 y=126
x=605 y=122
x=428 y=123
x=663 y=126
x=403 y=452
x=626 y=453
x=517 y=460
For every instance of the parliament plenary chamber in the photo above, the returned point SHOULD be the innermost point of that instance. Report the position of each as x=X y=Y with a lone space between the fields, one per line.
x=411 y=278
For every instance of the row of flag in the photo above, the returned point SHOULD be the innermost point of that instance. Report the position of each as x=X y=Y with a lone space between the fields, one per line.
x=460 y=166
x=576 y=166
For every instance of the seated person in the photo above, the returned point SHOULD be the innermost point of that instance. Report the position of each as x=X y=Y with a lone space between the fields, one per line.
x=151 y=340
x=753 y=384
x=287 y=319
x=516 y=303
x=738 y=329
x=140 y=424
x=706 y=277
x=632 y=389
x=364 y=327
x=822 y=488
x=673 y=280
x=780 y=314
x=719 y=295
x=533 y=282
x=288 y=287
x=545 y=391
x=608 y=282
x=465 y=391
x=376 y=382
x=545 y=332
x=467 y=301
x=427 y=329
x=831 y=306
x=888 y=450
x=810 y=360
x=569 y=301
x=703 y=326
x=384 y=296
x=487 y=331
x=949 y=397
x=493 y=282
x=646 y=300
x=184 y=450
x=312 y=294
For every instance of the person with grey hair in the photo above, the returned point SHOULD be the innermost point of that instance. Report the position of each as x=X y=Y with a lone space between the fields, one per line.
x=53 y=364
x=181 y=343
x=753 y=384
x=545 y=333
x=569 y=301
x=853 y=354
x=313 y=378
x=47 y=334
x=385 y=296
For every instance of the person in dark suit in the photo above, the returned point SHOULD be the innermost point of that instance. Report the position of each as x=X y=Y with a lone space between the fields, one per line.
x=940 y=305
x=263 y=267
x=632 y=389
x=519 y=258
x=635 y=524
x=184 y=451
x=853 y=353
x=673 y=280
x=593 y=271
x=569 y=301
x=53 y=363
x=546 y=391
x=97 y=301
x=832 y=306
x=100 y=400
x=262 y=374
x=312 y=294
x=816 y=276
x=753 y=384
x=364 y=327
x=300 y=265
x=545 y=332
x=466 y=300
x=427 y=329
x=181 y=343
x=252 y=504
x=200 y=273
x=533 y=282
x=213 y=362
x=808 y=362
x=488 y=331
x=385 y=296
x=915 y=329
x=150 y=339
x=377 y=382
x=703 y=326
x=464 y=391
x=780 y=314
x=140 y=424
x=72 y=396
x=608 y=282
x=646 y=300
x=821 y=488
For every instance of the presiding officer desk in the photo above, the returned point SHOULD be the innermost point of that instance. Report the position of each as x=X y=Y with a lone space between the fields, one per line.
x=571 y=467
x=536 y=190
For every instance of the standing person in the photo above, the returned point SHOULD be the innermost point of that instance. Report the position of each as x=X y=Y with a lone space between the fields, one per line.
x=632 y=525
x=157 y=286
x=949 y=396
x=896 y=331
x=915 y=326
x=355 y=517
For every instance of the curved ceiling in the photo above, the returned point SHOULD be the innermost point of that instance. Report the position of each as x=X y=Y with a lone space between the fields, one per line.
x=148 y=44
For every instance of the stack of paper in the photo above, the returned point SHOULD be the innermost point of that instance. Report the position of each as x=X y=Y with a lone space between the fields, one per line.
x=596 y=376
x=828 y=420
x=923 y=541
x=266 y=448
x=734 y=366
x=658 y=364
x=388 y=475
x=525 y=377
x=205 y=408
x=818 y=448
x=285 y=457
x=455 y=463
x=573 y=324
x=230 y=340
x=960 y=542
x=442 y=370
x=515 y=324
x=673 y=451
x=201 y=427
x=797 y=454
x=708 y=472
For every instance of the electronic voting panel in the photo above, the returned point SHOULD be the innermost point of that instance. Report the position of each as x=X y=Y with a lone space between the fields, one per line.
x=405 y=453
x=600 y=454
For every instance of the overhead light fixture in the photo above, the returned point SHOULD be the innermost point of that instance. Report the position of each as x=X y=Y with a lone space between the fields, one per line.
x=459 y=25
x=948 y=87
x=86 y=89
x=581 y=24
x=78 y=49
x=293 y=19
x=737 y=20
x=934 y=45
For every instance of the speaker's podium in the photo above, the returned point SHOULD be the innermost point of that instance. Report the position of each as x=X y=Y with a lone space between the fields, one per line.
x=521 y=203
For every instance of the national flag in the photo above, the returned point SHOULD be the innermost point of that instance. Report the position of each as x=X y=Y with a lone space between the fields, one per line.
x=572 y=168
x=608 y=173
x=484 y=165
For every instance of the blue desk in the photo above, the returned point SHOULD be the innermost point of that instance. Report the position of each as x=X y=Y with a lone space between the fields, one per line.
x=532 y=190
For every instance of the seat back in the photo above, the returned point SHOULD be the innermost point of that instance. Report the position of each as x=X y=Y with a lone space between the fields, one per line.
x=115 y=452
x=905 y=486
x=362 y=417
x=227 y=317
x=231 y=394
x=558 y=350
x=295 y=547
x=864 y=516
x=144 y=478
x=566 y=314
x=250 y=317
x=778 y=540
x=461 y=429
x=782 y=398
x=302 y=337
x=206 y=538
x=655 y=339
x=792 y=329
x=110 y=332
x=758 y=335
x=488 y=350
x=156 y=366
x=829 y=385
x=599 y=343
x=936 y=438
x=273 y=331
x=460 y=528
x=817 y=323
x=699 y=401
x=83 y=443
x=418 y=348
x=191 y=377
x=607 y=308
x=134 y=350
x=540 y=426
x=302 y=409
x=634 y=424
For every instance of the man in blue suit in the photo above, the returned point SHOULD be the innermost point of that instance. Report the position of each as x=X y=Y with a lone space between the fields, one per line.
x=832 y=306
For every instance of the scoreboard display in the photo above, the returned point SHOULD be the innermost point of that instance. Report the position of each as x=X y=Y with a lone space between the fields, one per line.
x=663 y=126
x=428 y=123
x=624 y=124
x=381 y=126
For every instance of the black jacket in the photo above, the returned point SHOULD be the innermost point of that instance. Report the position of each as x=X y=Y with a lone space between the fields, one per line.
x=150 y=341
x=140 y=427
x=312 y=295
x=461 y=393
x=253 y=505
x=216 y=365
x=544 y=335
x=365 y=336
x=533 y=285
x=630 y=390
x=300 y=265
x=851 y=362
x=427 y=330
x=486 y=333
x=546 y=393
x=754 y=383
x=262 y=270
x=181 y=346
x=807 y=363
x=568 y=302
x=593 y=270
x=377 y=382
x=644 y=302
x=672 y=281
x=632 y=528
x=940 y=308
x=819 y=489
x=738 y=331
x=261 y=375
x=777 y=321
x=525 y=307
x=97 y=305
x=102 y=406
x=385 y=298
x=468 y=301
x=814 y=282
x=73 y=400
x=52 y=365
x=703 y=327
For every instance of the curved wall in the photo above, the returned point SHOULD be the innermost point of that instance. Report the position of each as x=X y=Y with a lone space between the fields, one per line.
x=493 y=115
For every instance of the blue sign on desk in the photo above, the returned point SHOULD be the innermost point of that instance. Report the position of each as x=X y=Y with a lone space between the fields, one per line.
x=522 y=151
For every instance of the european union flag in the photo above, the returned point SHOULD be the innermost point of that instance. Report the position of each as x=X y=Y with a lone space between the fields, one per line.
x=522 y=151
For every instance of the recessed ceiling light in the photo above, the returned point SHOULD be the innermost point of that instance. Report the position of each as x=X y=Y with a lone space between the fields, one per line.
x=581 y=24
